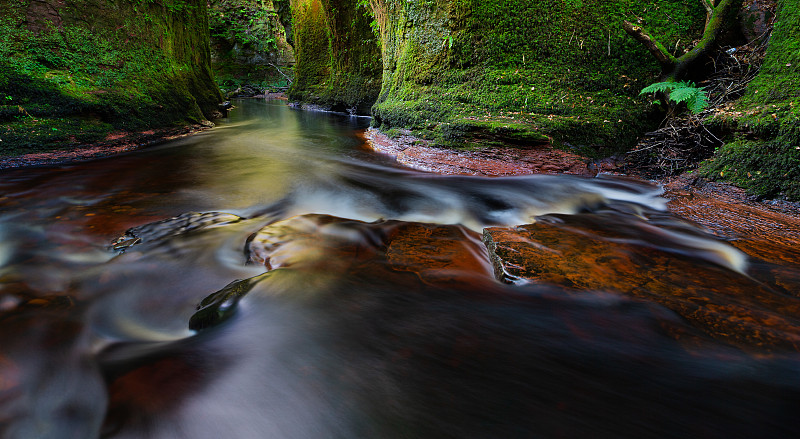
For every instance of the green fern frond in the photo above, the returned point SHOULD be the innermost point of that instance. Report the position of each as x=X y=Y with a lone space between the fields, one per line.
x=698 y=103
x=659 y=87
x=681 y=92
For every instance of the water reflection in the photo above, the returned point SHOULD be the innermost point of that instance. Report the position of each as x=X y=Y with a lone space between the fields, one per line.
x=343 y=297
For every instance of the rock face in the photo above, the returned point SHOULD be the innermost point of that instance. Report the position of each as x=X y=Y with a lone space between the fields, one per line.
x=763 y=153
x=71 y=71
x=564 y=72
x=338 y=60
x=498 y=71
x=493 y=161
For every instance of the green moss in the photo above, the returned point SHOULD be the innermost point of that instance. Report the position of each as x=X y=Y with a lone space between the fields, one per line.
x=246 y=23
x=766 y=169
x=127 y=65
x=564 y=69
x=763 y=152
x=489 y=132
x=25 y=136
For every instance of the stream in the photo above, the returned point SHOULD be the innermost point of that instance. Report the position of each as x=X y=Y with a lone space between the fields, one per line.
x=275 y=278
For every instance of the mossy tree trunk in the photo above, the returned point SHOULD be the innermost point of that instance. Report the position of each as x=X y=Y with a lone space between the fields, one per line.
x=721 y=14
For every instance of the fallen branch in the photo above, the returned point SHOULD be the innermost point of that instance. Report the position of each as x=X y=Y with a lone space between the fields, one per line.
x=288 y=79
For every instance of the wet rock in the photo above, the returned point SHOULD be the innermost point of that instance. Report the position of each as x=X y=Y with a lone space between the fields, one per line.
x=222 y=305
x=224 y=107
x=322 y=251
x=185 y=223
x=113 y=144
x=439 y=255
x=435 y=254
x=582 y=252
x=245 y=91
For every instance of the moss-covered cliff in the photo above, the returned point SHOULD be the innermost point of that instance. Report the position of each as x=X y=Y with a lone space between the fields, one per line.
x=338 y=59
x=71 y=71
x=521 y=70
x=763 y=153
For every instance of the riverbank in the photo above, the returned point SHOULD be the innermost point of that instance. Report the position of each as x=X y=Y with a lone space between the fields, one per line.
x=722 y=208
x=115 y=143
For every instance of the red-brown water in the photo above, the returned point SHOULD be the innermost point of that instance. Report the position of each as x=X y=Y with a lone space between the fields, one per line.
x=328 y=293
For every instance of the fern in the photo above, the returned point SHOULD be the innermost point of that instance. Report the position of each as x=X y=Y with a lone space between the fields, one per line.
x=658 y=87
x=699 y=102
x=694 y=97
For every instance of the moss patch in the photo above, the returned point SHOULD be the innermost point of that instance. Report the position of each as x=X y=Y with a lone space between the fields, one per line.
x=763 y=153
x=338 y=60
x=249 y=44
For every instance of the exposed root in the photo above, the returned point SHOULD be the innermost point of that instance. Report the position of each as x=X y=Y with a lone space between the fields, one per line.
x=672 y=149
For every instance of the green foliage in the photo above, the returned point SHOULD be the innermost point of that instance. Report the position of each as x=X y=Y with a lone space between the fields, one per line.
x=262 y=77
x=681 y=92
x=248 y=40
x=244 y=22
x=564 y=68
x=338 y=57
x=373 y=22
x=767 y=169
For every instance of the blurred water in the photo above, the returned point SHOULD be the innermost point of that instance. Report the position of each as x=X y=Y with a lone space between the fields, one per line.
x=360 y=302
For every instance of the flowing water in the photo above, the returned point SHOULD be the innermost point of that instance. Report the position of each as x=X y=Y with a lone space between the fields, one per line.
x=279 y=280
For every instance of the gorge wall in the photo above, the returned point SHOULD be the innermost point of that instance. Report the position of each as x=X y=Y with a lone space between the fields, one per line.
x=338 y=58
x=71 y=71
x=524 y=71
x=250 y=44
x=563 y=72
x=521 y=71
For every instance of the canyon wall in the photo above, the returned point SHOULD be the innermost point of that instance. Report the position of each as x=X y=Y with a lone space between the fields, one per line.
x=72 y=71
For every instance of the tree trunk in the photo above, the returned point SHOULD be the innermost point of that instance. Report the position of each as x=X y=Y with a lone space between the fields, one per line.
x=721 y=15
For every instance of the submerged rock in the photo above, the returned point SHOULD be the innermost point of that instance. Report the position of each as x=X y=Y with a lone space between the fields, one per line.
x=184 y=223
x=603 y=251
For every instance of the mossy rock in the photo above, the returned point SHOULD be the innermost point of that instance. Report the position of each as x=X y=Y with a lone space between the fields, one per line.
x=338 y=60
x=488 y=132
x=249 y=44
x=74 y=76
x=565 y=68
